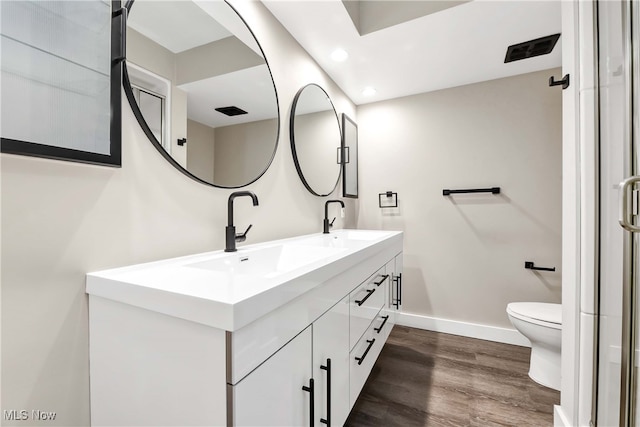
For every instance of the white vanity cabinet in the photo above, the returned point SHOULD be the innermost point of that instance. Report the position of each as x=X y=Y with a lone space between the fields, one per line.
x=365 y=302
x=292 y=351
x=331 y=365
x=272 y=394
x=314 y=364
x=365 y=353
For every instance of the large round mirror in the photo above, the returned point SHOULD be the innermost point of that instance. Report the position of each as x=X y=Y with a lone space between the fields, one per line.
x=198 y=83
x=315 y=140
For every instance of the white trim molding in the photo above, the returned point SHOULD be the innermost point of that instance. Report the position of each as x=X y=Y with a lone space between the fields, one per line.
x=465 y=329
x=559 y=417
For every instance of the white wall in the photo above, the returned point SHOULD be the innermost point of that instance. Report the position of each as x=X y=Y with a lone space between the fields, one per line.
x=205 y=61
x=242 y=151
x=464 y=255
x=61 y=220
x=317 y=139
x=201 y=150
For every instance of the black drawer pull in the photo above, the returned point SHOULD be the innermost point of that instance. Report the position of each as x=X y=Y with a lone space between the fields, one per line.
x=327 y=368
x=369 y=293
x=381 y=281
x=378 y=330
x=397 y=301
x=361 y=358
x=310 y=390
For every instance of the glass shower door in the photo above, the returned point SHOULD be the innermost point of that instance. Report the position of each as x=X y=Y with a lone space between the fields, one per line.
x=617 y=356
x=629 y=412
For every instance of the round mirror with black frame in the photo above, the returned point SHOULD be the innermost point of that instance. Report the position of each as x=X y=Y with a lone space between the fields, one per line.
x=200 y=86
x=315 y=140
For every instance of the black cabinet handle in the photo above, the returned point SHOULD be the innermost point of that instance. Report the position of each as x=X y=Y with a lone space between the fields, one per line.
x=381 y=281
x=378 y=330
x=327 y=368
x=369 y=293
x=311 y=400
x=361 y=358
x=396 y=301
x=399 y=290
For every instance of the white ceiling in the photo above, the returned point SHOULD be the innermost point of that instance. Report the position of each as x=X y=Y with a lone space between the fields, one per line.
x=250 y=89
x=176 y=25
x=180 y=25
x=463 y=44
x=460 y=45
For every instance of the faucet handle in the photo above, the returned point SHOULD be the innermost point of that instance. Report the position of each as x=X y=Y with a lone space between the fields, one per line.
x=243 y=236
x=332 y=221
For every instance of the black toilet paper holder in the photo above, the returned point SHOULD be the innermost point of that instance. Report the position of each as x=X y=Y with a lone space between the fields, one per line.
x=530 y=266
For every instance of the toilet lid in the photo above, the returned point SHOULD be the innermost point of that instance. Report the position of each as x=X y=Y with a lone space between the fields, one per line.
x=551 y=313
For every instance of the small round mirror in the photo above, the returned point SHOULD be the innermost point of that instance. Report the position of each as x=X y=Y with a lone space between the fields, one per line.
x=200 y=87
x=315 y=140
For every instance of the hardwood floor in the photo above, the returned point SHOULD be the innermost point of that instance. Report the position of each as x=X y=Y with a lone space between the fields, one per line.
x=425 y=378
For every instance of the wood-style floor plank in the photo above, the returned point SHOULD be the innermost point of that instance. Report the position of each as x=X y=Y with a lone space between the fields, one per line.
x=425 y=378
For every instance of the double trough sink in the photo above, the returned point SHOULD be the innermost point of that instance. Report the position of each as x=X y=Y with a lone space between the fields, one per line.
x=230 y=290
x=272 y=261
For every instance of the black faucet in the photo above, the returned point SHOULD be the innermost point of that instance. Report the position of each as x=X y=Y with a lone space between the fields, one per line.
x=230 y=229
x=326 y=215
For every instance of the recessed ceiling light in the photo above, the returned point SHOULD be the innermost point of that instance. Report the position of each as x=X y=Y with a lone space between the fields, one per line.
x=369 y=91
x=339 y=55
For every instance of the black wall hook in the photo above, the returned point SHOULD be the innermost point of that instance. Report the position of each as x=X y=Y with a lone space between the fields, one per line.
x=564 y=82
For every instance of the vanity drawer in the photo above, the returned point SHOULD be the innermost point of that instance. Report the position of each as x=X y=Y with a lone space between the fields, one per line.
x=364 y=303
x=364 y=354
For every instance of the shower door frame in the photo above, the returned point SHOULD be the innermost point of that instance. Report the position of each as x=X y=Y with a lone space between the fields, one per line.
x=629 y=374
x=617 y=98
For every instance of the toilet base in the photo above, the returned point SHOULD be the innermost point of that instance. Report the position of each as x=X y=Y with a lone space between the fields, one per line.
x=544 y=366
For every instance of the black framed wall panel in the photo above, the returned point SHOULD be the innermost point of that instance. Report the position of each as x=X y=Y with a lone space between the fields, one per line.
x=61 y=69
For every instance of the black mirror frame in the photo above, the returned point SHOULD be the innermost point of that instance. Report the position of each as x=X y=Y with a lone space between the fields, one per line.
x=126 y=83
x=114 y=158
x=293 y=139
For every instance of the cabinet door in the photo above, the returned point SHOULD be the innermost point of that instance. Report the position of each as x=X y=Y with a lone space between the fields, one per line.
x=331 y=379
x=365 y=302
x=363 y=357
x=272 y=395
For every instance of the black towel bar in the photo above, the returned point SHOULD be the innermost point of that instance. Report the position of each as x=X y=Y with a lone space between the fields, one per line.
x=492 y=190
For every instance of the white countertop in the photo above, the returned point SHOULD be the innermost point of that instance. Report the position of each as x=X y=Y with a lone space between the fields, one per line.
x=230 y=290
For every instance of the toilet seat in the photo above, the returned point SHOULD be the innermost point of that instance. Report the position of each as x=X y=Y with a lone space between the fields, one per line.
x=538 y=313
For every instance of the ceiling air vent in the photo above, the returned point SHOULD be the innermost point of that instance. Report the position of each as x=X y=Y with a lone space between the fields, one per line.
x=231 y=111
x=541 y=46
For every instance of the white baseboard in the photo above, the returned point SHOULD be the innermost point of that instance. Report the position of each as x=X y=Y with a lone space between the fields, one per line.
x=559 y=417
x=465 y=329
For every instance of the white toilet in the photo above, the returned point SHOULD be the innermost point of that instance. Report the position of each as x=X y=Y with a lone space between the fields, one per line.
x=541 y=323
